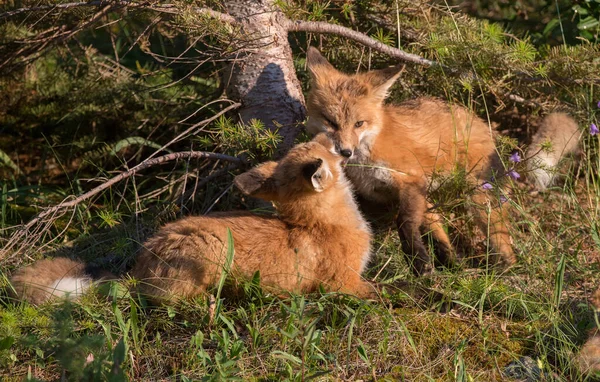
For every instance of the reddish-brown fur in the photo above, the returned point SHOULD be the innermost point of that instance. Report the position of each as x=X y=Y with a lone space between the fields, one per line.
x=589 y=355
x=394 y=151
x=318 y=238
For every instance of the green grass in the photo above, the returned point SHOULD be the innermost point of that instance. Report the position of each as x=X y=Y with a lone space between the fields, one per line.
x=536 y=314
x=68 y=120
x=536 y=310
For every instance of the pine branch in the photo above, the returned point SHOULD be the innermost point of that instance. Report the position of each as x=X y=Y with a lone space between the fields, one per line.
x=327 y=28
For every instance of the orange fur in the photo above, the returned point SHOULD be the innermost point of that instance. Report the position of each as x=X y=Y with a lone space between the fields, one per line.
x=589 y=355
x=394 y=151
x=318 y=238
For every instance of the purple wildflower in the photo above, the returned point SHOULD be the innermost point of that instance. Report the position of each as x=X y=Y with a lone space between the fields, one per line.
x=515 y=158
x=503 y=199
x=598 y=104
x=594 y=129
x=513 y=174
x=487 y=186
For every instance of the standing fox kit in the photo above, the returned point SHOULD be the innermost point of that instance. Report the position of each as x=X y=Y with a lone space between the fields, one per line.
x=393 y=151
x=318 y=238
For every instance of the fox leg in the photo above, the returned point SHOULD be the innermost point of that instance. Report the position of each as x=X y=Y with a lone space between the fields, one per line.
x=360 y=288
x=411 y=214
x=444 y=251
x=348 y=280
x=491 y=218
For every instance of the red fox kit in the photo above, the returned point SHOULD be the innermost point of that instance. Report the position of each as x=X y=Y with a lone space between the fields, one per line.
x=318 y=238
x=393 y=151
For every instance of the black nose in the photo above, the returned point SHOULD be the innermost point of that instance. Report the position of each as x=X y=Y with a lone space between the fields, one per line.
x=346 y=153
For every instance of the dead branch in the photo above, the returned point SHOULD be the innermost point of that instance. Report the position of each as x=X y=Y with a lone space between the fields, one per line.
x=327 y=28
x=62 y=6
x=124 y=175
x=60 y=208
x=166 y=8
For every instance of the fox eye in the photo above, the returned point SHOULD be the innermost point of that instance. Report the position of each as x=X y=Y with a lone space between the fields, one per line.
x=333 y=125
x=359 y=124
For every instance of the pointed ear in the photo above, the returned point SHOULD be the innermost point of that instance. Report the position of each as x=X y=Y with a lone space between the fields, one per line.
x=258 y=182
x=318 y=175
x=383 y=79
x=317 y=64
x=324 y=140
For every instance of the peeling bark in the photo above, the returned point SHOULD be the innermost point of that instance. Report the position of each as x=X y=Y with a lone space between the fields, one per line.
x=264 y=79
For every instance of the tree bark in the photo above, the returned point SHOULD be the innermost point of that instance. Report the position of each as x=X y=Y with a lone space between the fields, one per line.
x=264 y=79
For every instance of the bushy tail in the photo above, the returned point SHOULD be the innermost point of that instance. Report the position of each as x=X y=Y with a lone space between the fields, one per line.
x=59 y=277
x=589 y=355
x=558 y=136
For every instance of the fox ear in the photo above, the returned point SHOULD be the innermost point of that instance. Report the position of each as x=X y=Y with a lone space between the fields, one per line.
x=324 y=140
x=317 y=174
x=258 y=182
x=383 y=79
x=317 y=64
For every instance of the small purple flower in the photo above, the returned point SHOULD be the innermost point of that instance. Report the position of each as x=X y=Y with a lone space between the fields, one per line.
x=515 y=158
x=594 y=129
x=513 y=174
x=487 y=186
x=503 y=199
x=598 y=104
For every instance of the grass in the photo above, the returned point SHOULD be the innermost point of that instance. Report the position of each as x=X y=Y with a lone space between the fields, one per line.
x=526 y=323
x=535 y=314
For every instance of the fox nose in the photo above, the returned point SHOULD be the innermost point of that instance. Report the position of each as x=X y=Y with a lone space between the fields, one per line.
x=346 y=153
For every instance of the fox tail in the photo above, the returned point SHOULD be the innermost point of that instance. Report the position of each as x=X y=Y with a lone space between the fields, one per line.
x=557 y=137
x=50 y=278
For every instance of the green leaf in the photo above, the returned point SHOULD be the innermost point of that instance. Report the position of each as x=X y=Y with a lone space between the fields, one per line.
x=287 y=356
x=579 y=9
x=118 y=359
x=362 y=353
x=124 y=143
x=588 y=23
x=551 y=26
x=6 y=342
x=596 y=234
x=171 y=312
x=5 y=160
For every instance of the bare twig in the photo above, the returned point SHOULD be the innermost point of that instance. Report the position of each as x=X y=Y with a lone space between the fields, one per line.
x=327 y=28
x=61 y=6
x=60 y=208
x=166 y=8
x=145 y=164
x=199 y=124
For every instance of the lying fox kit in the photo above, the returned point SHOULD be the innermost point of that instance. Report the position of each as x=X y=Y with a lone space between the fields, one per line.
x=318 y=238
x=393 y=151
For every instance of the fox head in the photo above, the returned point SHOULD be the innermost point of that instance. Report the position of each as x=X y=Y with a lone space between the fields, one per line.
x=348 y=108
x=308 y=168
